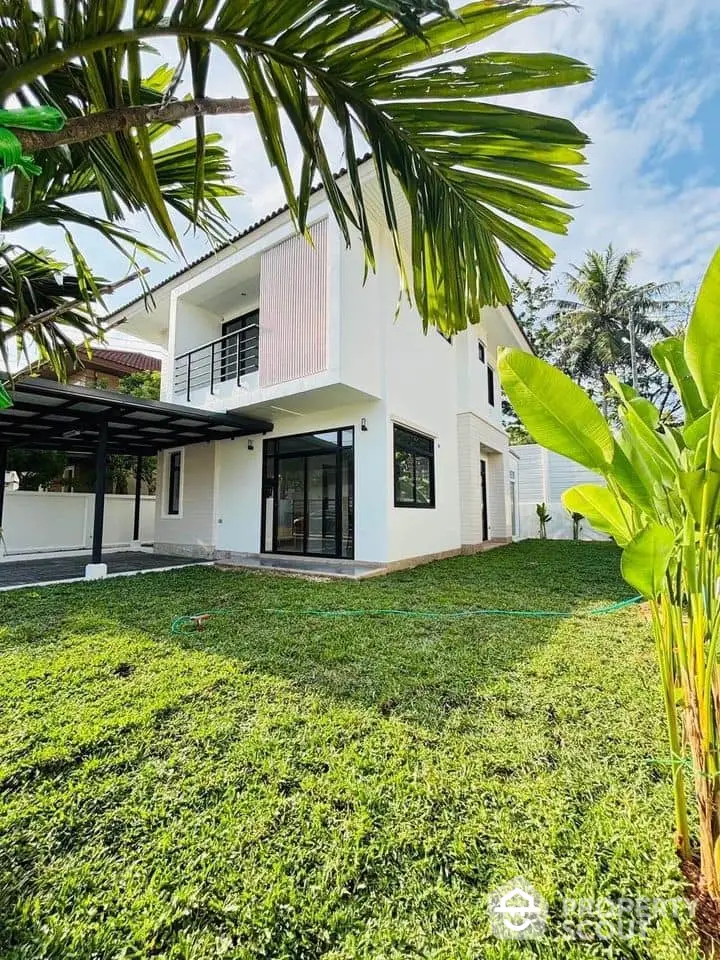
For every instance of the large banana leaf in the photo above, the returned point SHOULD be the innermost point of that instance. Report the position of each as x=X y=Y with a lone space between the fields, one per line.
x=702 y=345
x=556 y=411
x=646 y=558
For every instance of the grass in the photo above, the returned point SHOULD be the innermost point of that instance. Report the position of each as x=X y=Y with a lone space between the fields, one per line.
x=289 y=786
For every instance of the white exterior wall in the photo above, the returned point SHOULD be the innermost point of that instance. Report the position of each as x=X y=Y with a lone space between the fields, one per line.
x=194 y=525
x=240 y=480
x=35 y=521
x=472 y=377
x=380 y=366
x=544 y=477
x=478 y=440
x=421 y=393
x=362 y=314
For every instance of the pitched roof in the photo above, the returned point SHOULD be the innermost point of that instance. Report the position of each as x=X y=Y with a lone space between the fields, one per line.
x=223 y=246
x=124 y=358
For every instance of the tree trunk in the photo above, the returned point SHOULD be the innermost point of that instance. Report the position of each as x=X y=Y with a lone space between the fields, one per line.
x=105 y=122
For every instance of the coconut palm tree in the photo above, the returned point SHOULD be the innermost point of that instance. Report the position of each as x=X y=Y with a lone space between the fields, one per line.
x=608 y=323
x=404 y=78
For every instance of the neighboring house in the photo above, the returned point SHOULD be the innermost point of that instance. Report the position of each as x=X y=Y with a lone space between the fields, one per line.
x=102 y=368
x=99 y=368
x=387 y=444
x=543 y=478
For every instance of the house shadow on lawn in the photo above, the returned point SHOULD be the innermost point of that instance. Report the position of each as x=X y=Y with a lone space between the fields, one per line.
x=332 y=638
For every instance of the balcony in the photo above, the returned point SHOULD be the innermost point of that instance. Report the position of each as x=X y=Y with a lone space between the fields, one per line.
x=222 y=361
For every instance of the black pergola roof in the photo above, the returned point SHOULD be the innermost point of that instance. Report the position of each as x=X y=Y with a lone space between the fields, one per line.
x=52 y=416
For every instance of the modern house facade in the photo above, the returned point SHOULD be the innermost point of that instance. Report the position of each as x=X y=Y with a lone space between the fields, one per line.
x=387 y=445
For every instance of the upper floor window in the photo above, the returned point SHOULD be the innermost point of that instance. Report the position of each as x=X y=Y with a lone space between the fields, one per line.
x=239 y=353
x=414 y=465
x=174 y=483
x=491 y=385
x=481 y=351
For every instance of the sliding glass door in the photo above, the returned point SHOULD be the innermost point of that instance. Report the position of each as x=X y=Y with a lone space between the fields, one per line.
x=308 y=494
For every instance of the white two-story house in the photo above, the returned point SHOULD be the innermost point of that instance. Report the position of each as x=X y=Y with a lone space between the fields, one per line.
x=382 y=444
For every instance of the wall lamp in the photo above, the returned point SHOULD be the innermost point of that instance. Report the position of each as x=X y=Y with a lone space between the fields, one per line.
x=363 y=424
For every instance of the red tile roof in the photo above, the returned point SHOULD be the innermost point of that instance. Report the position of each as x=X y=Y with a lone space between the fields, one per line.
x=124 y=358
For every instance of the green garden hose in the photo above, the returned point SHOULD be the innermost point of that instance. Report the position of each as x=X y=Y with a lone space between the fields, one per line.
x=456 y=614
x=188 y=624
x=192 y=622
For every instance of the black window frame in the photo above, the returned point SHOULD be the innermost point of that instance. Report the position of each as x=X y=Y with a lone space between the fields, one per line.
x=491 y=385
x=482 y=353
x=174 y=487
x=234 y=362
x=409 y=442
x=275 y=450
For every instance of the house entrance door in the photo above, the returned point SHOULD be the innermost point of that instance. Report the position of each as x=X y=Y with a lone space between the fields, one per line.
x=483 y=483
x=308 y=497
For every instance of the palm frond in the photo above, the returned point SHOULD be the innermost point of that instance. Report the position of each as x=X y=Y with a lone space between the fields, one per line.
x=393 y=74
x=31 y=282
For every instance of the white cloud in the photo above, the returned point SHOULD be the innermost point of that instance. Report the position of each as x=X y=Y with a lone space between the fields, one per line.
x=653 y=183
x=631 y=204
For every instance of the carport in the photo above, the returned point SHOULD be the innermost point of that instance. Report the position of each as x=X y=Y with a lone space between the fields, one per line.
x=52 y=416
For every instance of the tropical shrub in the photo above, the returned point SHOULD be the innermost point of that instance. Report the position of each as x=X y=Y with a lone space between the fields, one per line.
x=544 y=519
x=661 y=504
x=577 y=519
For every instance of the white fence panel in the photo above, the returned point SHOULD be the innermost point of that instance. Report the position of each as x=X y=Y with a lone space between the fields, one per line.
x=543 y=478
x=119 y=512
x=35 y=521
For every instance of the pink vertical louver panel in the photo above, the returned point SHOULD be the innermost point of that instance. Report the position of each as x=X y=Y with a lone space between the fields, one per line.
x=293 y=308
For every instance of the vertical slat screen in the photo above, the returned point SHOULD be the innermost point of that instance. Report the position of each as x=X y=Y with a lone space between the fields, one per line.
x=293 y=308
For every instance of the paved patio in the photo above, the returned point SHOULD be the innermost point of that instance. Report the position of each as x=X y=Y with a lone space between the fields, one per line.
x=17 y=573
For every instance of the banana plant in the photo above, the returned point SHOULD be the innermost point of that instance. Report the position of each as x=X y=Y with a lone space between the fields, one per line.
x=544 y=519
x=577 y=519
x=661 y=504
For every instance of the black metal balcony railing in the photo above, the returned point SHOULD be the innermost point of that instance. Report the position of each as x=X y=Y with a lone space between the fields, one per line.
x=228 y=358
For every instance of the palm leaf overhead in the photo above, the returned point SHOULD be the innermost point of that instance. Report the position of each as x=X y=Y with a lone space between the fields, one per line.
x=36 y=286
x=32 y=283
x=400 y=76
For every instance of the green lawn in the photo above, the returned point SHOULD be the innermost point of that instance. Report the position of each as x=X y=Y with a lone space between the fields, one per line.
x=289 y=786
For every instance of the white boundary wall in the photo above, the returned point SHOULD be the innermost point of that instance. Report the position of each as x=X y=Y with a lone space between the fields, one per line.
x=543 y=478
x=35 y=521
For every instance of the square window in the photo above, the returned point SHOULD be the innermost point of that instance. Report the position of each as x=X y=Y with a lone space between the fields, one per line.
x=414 y=469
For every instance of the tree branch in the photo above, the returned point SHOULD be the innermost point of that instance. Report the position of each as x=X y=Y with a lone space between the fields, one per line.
x=94 y=125
x=22 y=326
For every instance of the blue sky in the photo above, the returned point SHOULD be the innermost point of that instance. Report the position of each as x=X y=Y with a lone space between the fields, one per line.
x=653 y=115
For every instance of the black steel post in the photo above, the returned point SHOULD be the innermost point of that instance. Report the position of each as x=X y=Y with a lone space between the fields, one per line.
x=3 y=468
x=100 y=486
x=136 y=515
